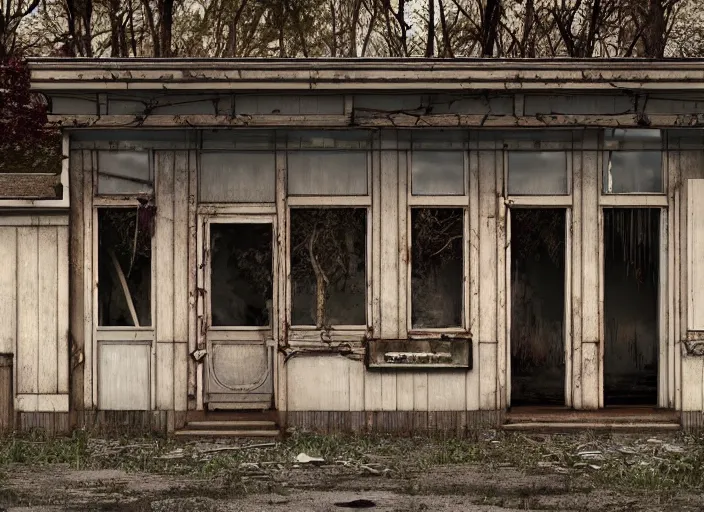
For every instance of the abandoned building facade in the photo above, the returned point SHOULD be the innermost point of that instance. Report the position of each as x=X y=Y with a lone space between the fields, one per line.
x=359 y=244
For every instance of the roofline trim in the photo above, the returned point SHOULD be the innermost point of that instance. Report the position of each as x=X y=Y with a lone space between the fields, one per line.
x=385 y=75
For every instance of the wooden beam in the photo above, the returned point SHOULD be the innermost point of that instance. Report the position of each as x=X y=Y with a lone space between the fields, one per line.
x=381 y=119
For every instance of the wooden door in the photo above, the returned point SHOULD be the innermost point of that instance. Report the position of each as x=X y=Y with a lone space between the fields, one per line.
x=239 y=313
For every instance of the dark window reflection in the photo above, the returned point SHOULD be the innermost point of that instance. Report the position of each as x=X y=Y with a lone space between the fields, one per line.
x=241 y=274
x=328 y=278
x=436 y=267
x=124 y=267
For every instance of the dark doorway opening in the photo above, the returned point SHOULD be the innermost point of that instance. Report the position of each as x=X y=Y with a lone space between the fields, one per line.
x=538 y=307
x=631 y=327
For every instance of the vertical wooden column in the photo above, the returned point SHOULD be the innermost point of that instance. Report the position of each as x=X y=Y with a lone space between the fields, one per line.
x=472 y=248
x=281 y=277
x=388 y=248
x=411 y=388
x=591 y=344
x=487 y=337
x=192 y=389
x=182 y=290
x=164 y=286
x=576 y=277
x=90 y=357
x=76 y=278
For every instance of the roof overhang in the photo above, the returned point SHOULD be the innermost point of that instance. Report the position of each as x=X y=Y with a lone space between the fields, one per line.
x=369 y=75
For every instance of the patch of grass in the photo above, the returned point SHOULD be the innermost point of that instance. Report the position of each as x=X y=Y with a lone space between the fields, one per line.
x=642 y=466
x=38 y=449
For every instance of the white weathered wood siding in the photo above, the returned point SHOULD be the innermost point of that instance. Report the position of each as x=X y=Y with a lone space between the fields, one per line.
x=34 y=308
x=335 y=383
x=140 y=369
x=158 y=373
x=172 y=278
x=691 y=318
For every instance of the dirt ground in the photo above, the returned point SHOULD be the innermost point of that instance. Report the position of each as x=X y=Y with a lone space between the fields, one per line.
x=503 y=474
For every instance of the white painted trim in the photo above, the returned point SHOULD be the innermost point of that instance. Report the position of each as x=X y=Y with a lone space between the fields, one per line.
x=568 y=340
x=508 y=312
x=236 y=209
x=435 y=201
x=665 y=368
x=539 y=201
x=34 y=220
x=41 y=402
x=328 y=201
x=124 y=335
x=633 y=201
x=385 y=74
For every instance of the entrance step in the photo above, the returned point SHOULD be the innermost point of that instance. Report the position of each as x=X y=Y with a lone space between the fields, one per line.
x=578 y=426
x=222 y=433
x=211 y=425
x=232 y=425
x=621 y=419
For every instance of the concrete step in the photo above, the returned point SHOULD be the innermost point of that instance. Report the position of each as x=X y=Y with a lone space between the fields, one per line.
x=577 y=426
x=231 y=425
x=195 y=433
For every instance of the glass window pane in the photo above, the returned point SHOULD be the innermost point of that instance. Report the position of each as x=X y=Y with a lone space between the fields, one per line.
x=125 y=266
x=437 y=267
x=241 y=274
x=537 y=173
x=632 y=138
x=328 y=263
x=326 y=139
x=238 y=177
x=335 y=173
x=633 y=172
x=437 y=173
x=124 y=172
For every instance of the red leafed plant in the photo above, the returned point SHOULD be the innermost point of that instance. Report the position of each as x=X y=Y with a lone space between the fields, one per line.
x=27 y=143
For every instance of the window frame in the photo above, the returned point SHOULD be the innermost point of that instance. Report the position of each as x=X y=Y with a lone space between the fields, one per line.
x=437 y=201
x=566 y=202
x=307 y=334
x=341 y=332
x=633 y=199
x=113 y=333
x=206 y=221
x=123 y=197
x=234 y=151
x=540 y=200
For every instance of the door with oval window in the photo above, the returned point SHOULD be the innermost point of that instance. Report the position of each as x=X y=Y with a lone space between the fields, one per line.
x=238 y=314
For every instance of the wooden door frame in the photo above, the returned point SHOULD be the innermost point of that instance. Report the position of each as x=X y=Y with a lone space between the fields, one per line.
x=232 y=215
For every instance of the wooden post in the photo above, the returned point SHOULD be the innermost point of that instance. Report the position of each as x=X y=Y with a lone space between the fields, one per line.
x=6 y=394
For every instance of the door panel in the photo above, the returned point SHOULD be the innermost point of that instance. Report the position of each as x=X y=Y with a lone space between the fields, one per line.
x=239 y=313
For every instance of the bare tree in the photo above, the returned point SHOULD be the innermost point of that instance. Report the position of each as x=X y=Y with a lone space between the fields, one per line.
x=11 y=15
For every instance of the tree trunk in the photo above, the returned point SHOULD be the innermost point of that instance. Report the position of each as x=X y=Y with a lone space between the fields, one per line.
x=430 y=43
x=446 y=41
x=166 y=16
x=654 y=29
x=491 y=18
